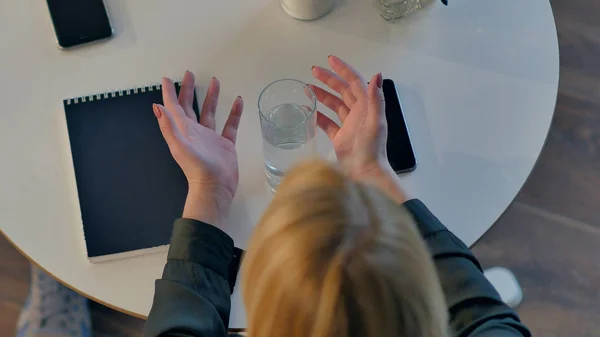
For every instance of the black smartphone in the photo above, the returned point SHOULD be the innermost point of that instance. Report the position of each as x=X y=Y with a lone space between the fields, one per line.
x=79 y=21
x=399 y=148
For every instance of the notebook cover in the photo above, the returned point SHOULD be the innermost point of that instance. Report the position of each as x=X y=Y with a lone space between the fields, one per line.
x=130 y=188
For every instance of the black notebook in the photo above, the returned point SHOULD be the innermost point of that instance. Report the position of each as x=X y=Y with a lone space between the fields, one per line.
x=130 y=188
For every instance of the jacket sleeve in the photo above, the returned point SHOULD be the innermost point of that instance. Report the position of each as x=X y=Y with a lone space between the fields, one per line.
x=474 y=306
x=193 y=296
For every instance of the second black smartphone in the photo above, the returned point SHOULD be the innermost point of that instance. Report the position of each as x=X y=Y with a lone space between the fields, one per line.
x=79 y=21
x=399 y=148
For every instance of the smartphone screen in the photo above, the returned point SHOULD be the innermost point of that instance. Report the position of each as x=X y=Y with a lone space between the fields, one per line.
x=399 y=149
x=79 y=21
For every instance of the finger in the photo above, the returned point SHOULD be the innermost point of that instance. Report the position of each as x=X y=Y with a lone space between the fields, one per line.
x=233 y=121
x=186 y=95
x=336 y=83
x=170 y=99
x=209 y=107
x=331 y=101
x=349 y=74
x=168 y=127
x=376 y=99
x=327 y=125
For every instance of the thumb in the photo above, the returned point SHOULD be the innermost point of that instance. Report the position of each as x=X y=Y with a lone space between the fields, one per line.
x=168 y=128
x=376 y=100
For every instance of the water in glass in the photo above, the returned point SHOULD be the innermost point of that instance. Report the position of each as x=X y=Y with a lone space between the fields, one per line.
x=288 y=137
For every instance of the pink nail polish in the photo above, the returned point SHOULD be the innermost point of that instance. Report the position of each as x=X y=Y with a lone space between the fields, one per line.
x=157 y=111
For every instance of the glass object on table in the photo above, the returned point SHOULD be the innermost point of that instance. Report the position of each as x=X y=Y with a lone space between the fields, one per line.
x=395 y=9
x=288 y=123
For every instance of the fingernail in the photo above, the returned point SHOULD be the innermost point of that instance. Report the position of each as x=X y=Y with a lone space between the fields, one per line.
x=312 y=68
x=157 y=111
x=379 y=80
x=239 y=97
x=329 y=56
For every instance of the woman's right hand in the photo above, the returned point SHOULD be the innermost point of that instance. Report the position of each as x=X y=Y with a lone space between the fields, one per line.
x=360 y=142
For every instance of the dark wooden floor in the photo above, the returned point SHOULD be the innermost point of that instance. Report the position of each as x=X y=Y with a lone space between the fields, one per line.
x=553 y=227
x=550 y=236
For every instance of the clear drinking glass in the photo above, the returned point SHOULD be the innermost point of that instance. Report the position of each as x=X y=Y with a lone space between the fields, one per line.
x=288 y=122
x=395 y=9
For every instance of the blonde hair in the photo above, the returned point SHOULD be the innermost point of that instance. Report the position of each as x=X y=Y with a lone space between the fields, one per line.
x=331 y=257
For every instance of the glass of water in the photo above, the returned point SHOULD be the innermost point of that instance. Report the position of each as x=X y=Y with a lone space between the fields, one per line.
x=288 y=121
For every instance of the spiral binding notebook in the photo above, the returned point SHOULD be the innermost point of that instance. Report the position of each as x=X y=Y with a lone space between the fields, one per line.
x=130 y=189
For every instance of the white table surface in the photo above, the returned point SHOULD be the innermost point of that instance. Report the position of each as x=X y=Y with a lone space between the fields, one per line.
x=478 y=81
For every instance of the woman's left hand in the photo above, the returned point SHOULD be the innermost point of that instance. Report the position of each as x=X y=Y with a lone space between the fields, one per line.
x=208 y=159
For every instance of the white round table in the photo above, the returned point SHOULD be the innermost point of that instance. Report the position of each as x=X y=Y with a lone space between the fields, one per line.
x=478 y=81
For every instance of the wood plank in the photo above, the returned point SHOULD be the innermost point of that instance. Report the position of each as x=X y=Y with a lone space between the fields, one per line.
x=556 y=261
x=584 y=11
x=565 y=179
x=14 y=286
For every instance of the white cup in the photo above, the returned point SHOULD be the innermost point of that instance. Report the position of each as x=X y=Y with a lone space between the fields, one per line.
x=307 y=9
